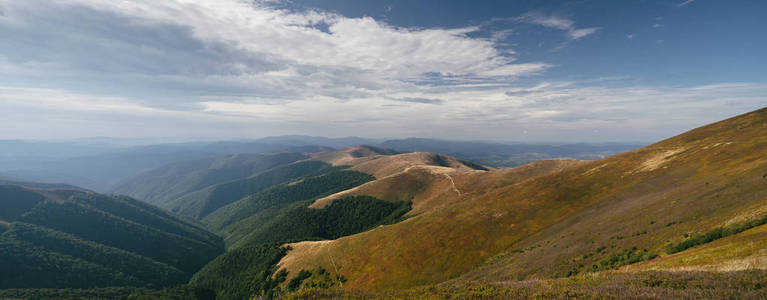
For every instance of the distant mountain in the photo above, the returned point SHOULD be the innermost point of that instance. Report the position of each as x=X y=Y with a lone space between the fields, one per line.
x=198 y=204
x=170 y=181
x=100 y=164
x=39 y=185
x=508 y=155
x=301 y=140
x=501 y=155
x=101 y=172
x=681 y=218
x=65 y=238
x=691 y=206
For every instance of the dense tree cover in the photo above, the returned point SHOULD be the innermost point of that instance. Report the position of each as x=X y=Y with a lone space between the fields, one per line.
x=243 y=273
x=25 y=265
x=180 y=292
x=141 y=213
x=186 y=254
x=342 y=217
x=15 y=200
x=200 y=203
x=150 y=273
x=246 y=271
x=238 y=274
x=308 y=188
x=79 y=239
x=118 y=241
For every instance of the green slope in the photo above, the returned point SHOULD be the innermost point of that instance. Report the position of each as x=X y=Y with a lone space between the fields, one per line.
x=248 y=269
x=144 y=271
x=586 y=218
x=16 y=200
x=225 y=220
x=345 y=216
x=199 y=204
x=165 y=183
x=77 y=239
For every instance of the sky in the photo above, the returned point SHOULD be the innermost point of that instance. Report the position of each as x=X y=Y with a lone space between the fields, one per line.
x=524 y=71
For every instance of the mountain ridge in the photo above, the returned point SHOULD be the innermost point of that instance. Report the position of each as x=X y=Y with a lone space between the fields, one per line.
x=683 y=162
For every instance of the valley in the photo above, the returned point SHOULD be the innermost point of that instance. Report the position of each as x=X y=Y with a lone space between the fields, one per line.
x=368 y=222
x=383 y=149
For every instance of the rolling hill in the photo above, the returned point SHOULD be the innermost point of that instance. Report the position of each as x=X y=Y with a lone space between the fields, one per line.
x=168 y=182
x=71 y=238
x=507 y=155
x=103 y=167
x=691 y=202
x=680 y=218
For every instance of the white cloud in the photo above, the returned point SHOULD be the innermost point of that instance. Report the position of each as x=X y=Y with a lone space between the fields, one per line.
x=231 y=68
x=565 y=111
x=685 y=3
x=556 y=22
x=631 y=36
x=361 y=44
x=69 y=101
x=177 y=50
x=579 y=33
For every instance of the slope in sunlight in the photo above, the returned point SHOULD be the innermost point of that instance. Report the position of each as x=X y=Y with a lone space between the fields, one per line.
x=559 y=218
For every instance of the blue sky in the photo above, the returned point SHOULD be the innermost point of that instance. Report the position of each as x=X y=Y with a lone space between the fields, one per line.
x=561 y=71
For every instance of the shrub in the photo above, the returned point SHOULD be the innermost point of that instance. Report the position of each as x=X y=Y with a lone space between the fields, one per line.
x=715 y=234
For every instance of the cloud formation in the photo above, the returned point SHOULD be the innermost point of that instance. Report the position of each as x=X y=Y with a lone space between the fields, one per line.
x=556 y=22
x=237 y=68
x=241 y=47
x=685 y=3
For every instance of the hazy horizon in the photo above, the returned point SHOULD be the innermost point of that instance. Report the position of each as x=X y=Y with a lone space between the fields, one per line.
x=566 y=72
x=179 y=140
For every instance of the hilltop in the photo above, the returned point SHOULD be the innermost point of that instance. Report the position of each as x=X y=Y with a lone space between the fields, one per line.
x=564 y=218
x=369 y=222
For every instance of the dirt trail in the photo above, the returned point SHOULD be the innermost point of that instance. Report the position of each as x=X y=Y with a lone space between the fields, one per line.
x=452 y=183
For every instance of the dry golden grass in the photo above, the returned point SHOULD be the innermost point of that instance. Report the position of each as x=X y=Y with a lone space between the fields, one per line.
x=544 y=219
x=434 y=196
x=644 y=285
x=420 y=184
x=744 y=251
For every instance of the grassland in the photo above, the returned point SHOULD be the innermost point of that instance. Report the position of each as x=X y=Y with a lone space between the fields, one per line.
x=644 y=285
x=557 y=219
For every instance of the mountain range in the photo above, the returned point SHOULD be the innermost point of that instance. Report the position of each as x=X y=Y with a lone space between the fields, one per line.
x=681 y=218
x=103 y=165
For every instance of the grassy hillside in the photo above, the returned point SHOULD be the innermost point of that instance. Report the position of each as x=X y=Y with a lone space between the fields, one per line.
x=508 y=155
x=76 y=239
x=518 y=224
x=249 y=269
x=643 y=285
x=161 y=185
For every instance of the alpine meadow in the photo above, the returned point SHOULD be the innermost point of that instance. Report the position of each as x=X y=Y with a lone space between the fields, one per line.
x=383 y=149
